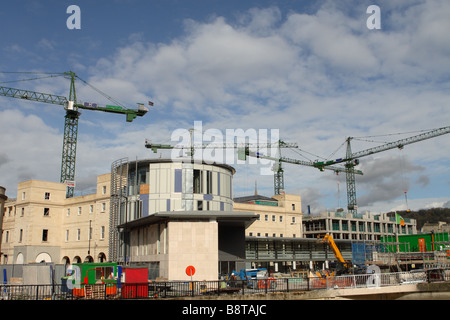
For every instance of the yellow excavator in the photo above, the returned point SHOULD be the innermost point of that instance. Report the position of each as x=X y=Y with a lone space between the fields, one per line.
x=343 y=266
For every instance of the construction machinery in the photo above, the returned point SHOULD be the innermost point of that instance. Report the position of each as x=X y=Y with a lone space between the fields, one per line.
x=242 y=148
x=255 y=278
x=279 y=172
x=72 y=107
x=342 y=266
x=352 y=159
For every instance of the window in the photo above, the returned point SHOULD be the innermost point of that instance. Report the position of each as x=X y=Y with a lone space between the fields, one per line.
x=103 y=207
x=91 y=208
x=178 y=180
x=78 y=234
x=198 y=177
x=293 y=207
x=273 y=218
x=208 y=182
x=79 y=210
x=266 y=217
x=23 y=195
x=293 y=219
x=199 y=205
x=68 y=212
x=45 y=235
x=102 y=232
x=22 y=212
x=20 y=235
x=281 y=218
x=46 y=212
x=67 y=235
x=104 y=189
x=47 y=196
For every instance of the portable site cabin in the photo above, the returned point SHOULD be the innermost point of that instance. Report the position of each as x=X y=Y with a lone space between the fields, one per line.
x=90 y=274
x=423 y=242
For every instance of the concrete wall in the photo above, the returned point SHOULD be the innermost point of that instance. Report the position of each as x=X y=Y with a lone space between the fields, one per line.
x=193 y=243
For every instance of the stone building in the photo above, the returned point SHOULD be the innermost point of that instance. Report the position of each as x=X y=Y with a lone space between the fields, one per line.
x=279 y=216
x=41 y=224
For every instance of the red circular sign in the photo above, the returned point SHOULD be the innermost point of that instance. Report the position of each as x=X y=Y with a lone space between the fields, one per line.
x=190 y=271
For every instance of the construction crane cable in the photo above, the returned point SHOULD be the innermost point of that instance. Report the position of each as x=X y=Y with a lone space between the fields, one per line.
x=102 y=93
x=392 y=134
x=333 y=153
x=20 y=80
x=301 y=150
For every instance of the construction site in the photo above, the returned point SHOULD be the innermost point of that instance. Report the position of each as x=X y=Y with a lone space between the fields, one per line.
x=166 y=227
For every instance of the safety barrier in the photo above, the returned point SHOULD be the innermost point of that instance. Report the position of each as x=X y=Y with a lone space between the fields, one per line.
x=172 y=289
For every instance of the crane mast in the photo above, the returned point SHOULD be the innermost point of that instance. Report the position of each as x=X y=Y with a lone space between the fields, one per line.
x=352 y=159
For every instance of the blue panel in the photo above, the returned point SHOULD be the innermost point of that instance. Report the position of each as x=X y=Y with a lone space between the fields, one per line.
x=144 y=198
x=359 y=253
x=222 y=206
x=207 y=197
x=178 y=180
x=168 y=204
x=218 y=183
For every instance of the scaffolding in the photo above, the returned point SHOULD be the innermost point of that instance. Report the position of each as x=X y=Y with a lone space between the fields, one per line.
x=119 y=180
x=401 y=255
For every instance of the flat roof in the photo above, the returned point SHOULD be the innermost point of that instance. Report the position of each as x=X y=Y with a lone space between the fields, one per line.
x=186 y=160
x=227 y=217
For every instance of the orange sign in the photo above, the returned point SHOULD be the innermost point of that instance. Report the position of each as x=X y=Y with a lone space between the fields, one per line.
x=190 y=271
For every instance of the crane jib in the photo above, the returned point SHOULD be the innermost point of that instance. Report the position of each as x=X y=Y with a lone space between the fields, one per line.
x=32 y=95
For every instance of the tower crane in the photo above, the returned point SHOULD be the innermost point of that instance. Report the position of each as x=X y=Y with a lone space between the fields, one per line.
x=243 y=148
x=279 y=172
x=72 y=107
x=352 y=159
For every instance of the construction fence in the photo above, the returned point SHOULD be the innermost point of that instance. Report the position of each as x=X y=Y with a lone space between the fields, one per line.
x=177 y=289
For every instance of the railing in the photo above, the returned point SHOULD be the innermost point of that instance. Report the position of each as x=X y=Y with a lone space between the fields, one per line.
x=173 y=289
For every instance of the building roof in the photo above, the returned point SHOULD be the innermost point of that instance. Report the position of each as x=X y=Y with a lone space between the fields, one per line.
x=132 y=163
x=224 y=217
x=252 y=198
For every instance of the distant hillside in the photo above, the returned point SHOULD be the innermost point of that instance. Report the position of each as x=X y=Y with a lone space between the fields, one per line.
x=426 y=215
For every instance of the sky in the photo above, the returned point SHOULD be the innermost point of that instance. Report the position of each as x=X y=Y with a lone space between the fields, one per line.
x=307 y=72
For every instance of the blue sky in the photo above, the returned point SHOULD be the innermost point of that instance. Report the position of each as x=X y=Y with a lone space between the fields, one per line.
x=310 y=69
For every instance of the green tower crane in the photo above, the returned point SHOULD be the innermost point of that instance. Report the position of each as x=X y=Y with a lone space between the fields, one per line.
x=352 y=159
x=71 y=119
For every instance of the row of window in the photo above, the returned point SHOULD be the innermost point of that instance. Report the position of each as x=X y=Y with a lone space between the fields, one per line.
x=280 y=218
x=78 y=234
x=47 y=210
x=267 y=235
x=48 y=194
x=45 y=235
x=91 y=209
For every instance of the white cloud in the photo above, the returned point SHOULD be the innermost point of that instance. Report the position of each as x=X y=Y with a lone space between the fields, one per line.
x=318 y=77
x=30 y=149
